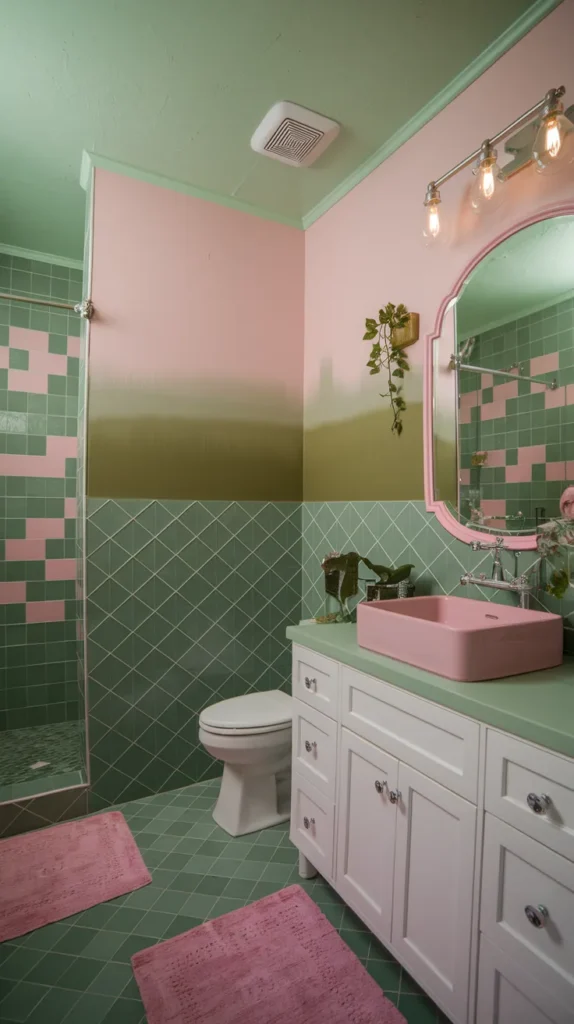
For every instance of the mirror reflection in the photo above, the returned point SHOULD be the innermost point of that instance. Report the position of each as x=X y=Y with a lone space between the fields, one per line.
x=512 y=411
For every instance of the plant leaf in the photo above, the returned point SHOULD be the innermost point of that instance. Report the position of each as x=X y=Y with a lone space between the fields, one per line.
x=401 y=573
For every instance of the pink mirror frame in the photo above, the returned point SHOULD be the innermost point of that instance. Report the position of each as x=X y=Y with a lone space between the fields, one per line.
x=440 y=509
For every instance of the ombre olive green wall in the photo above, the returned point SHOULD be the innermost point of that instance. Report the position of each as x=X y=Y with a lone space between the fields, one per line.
x=196 y=350
x=180 y=458
x=360 y=459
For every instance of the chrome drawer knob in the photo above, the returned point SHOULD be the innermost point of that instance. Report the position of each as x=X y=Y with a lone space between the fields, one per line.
x=536 y=915
x=394 y=796
x=380 y=786
x=310 y=746
x=311 y=684
x=308 y=822
x=538 y=804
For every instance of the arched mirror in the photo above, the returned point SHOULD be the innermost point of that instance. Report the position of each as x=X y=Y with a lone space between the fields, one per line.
x=499 y=402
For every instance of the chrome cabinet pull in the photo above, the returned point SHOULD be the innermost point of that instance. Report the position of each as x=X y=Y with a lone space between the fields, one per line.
x=308 y=822
x=394 y=795
x=536 y=915
x=310 y=746
x=311 y=684
x=538 y=804
x=380 y=786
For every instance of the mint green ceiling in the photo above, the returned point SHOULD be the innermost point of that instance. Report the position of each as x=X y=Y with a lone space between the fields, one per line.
x=529 y=271
x=176 y=88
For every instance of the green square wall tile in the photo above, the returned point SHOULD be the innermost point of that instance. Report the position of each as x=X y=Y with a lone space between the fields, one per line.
x=19 y=359
x=36 y=445
x=56 y=384
x=58 y=344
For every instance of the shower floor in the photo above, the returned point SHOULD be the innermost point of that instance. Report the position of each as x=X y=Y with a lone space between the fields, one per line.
x=60 y=745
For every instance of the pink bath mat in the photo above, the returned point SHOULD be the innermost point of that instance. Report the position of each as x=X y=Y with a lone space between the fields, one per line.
x=277 y=961
x=56 y=872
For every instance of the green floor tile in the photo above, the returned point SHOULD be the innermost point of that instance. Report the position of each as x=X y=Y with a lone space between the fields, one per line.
x=186 y=881
x=112 y=980
x=80 y=974
x=239 y=888
x=359 y=942
x=154 y=923
x=212 y=885
x=75 y=940
x=49 y=969
x=252 y=869
x=125 y=919
x=21 y=1000
x=180 y=924
x=125 y=1011
x=387 y=974
x=417 y=1009
x=16 y=962
x=103 y=945
x=91 y=1008
x=54 y=1007
x=199 y=905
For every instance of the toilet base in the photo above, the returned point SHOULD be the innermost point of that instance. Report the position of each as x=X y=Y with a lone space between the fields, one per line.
x=249 y=802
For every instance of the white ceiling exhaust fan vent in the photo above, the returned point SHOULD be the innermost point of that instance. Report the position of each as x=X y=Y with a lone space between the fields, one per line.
x=293 y=134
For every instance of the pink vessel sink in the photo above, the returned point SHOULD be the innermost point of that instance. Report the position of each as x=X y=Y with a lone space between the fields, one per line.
x=460 y=638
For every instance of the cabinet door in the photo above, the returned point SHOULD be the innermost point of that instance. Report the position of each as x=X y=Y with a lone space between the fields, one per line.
x=366 y=832
x=434 y=872
x=509 y=995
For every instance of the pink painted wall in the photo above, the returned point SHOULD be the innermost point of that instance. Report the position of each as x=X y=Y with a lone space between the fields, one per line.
x=369 y=249
x=200 y=317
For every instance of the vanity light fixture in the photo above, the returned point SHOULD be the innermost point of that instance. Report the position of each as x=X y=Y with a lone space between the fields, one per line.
x=551 y=150
x=432 y=203
x=487 y=182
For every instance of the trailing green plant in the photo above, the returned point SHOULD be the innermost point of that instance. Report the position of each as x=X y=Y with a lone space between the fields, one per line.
x=342 y=579
x=388 y=357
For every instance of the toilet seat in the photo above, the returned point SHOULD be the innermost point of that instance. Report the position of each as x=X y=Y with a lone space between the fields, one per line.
x=252 y=714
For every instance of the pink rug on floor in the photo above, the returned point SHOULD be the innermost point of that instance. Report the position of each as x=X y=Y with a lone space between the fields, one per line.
x=55 y=872
x=277 y=961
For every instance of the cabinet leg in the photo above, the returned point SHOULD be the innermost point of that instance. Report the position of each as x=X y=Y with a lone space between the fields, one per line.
x=306 y=869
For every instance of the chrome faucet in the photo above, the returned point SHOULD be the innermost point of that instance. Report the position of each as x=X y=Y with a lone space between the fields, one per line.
x=516 y=584
x=496 y=548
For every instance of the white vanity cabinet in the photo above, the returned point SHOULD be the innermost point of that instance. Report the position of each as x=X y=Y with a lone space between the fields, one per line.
x=425 y=821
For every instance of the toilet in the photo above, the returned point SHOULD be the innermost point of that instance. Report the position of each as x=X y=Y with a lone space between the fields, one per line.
x=252 y=736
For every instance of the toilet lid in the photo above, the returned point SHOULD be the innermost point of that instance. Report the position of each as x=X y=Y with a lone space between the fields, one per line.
x=251 y=711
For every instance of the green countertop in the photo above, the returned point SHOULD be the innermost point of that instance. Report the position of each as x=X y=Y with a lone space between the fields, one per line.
x=538 y=706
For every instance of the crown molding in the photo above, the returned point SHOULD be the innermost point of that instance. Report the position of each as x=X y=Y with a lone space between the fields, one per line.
x=92 y=160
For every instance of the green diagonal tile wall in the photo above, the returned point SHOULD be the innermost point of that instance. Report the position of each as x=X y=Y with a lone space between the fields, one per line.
x=187 y=605
x=395 y=532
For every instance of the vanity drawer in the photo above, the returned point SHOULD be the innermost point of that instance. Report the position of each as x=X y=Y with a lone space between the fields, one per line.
x=315 y=747
x=516 y=772
x=316 y=680
x=435 y=741
x=519 y=873
x=509 y=995
x=312 y=824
